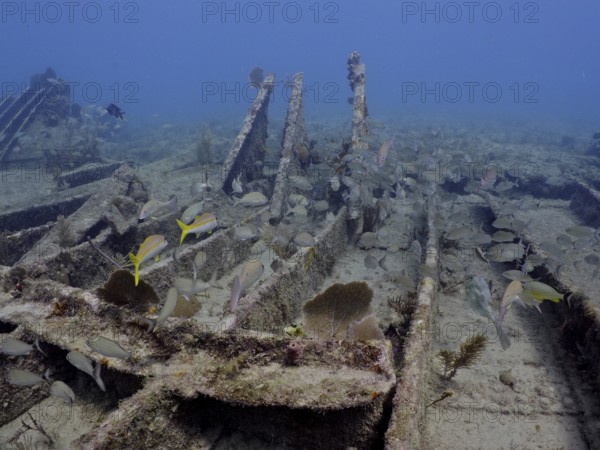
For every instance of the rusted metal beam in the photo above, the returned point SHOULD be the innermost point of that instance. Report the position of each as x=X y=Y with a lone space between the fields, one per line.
x=404 y=431
x=356 y=78
x=586 y=203
x=294 y=135
x=249 y=146
x=18 y=116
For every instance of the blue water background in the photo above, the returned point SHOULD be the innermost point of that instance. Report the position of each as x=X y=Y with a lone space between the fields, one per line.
x=185 y=61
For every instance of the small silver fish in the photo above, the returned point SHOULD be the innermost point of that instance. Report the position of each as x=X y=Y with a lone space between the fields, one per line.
x=245 y=232
x=479 y=299
x=191 y=212
x=321 y=206
x=304 y=239
x=503 y=236
x=297 y=211
x=368 y=240
x=383 y=152
x=188 y=288
x=83 y=363
x=236 y=185
x=415 y=249
x=503 y=222
x=297 y=199
x=153 y=206
x=106 y=347
x=517 y=275
x=334 y=182
x=80 y=361
x=371 y=262
x=252 y=199
x=62 y=391
x=20 y=377
x=458 y=233
x=511 y=294
x=165 y=311
x=249 y=275
x=580 y=231
x=14 y=347
x=198 y=188
x=300 y=182
x=258 y=248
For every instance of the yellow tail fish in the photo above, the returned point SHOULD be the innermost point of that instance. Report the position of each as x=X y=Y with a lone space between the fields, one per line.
x=201 y=224
x=149 y=249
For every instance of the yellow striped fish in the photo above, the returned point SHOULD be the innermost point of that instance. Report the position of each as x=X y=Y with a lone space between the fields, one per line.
x=535 y=293
x=202 y=224
x=149 y=249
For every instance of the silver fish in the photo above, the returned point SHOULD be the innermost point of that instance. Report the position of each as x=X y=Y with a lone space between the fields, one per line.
x=153 y=206
x=188 y=288
x=300 y=182
x=297 y=199
x=368 y=240
x=506 y=252
x=199 y=260
x=249 y=275
x=480 y=238
x=372 y=263
x=106 y=347
x=458 y=233
x=517 y=275
x=191 y=212
x=304 y=239
x=298 y=212
x=258 y=248
x=503 y=222
x=236 y=185
x=335 y=183
x=83 y=363
x=321 y=206
x=511 y=294
x=415 y=249
x=167 y=308
x=98 y=378
x=62 y=391
x=80 y=361
x=252 y=199
x=245 y=232
x=503 y=236
x=580 y=231
x=479 y=299
x=198 y=188
x=14 y=347
x=20 y=377
x=564 y=241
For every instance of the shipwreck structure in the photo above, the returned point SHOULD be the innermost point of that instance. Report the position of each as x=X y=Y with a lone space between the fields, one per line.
x=210 y=372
